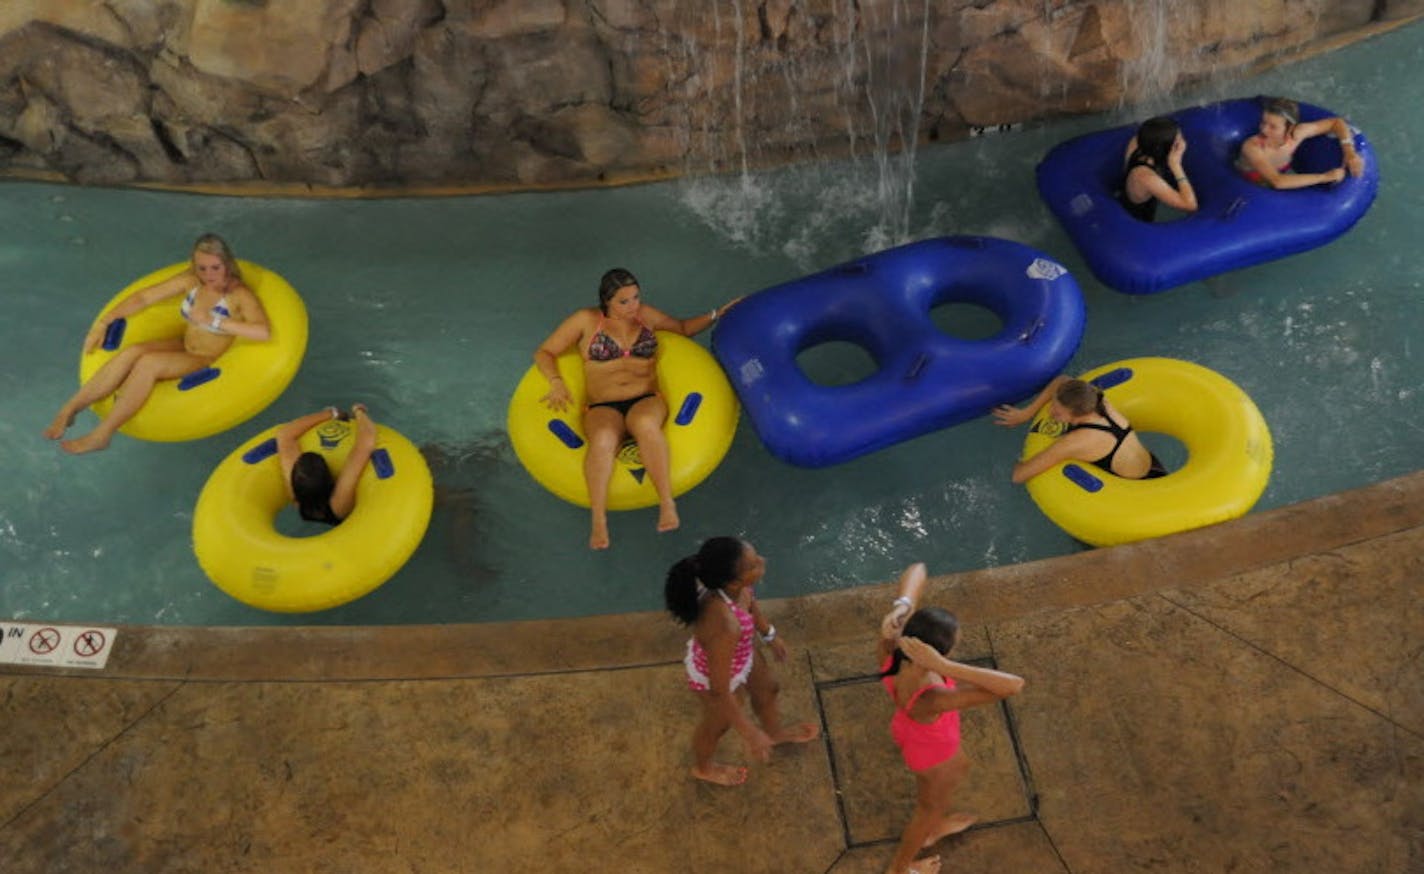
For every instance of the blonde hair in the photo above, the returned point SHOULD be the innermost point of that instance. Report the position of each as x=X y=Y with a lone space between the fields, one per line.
x=212 y=244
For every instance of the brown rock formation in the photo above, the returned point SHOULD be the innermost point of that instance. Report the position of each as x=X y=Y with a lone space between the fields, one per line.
x=526 y=92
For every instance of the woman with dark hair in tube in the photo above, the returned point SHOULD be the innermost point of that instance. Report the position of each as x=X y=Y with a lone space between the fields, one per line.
x=619 y=349
x=928 y=690
x=712 y=592
x=1152 y=171
x=319 y=496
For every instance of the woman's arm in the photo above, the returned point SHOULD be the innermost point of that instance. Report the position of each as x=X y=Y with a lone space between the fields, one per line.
x=251 y=322
x=1065 y=448
x=661 y=321
x=343 y=495
x=984 y=685
x=719 y=641
x=1009 y=415
x=907 y=600
x=565 y=336
x=1340 y=129
x=1260 y=162
x=139 y=300
x=288 y=449
x=766 y=631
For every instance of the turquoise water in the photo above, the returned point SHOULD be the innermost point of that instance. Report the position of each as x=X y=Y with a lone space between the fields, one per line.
x=428 y=310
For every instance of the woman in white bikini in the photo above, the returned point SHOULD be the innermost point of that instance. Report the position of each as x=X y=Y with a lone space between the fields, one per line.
x=217 y=308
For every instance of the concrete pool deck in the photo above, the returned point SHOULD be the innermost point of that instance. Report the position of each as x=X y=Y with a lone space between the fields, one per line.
x=1247 y=697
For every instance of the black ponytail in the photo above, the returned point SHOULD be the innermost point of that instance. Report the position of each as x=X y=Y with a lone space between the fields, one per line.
x=715 y=565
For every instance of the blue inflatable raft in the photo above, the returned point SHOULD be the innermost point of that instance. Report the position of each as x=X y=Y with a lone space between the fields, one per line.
x=925 y=380
x=1238 y=223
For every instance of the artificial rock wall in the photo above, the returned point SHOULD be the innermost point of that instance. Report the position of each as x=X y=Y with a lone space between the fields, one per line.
x=405 y=93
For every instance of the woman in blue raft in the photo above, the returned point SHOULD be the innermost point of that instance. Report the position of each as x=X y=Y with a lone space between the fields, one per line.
x=1266 y=157
x=1154 y=171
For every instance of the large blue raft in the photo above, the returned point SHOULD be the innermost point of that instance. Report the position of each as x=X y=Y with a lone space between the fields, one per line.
x=925 y=379
x=1238 y=223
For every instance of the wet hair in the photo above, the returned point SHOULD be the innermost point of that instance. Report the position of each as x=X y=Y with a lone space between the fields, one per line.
x=312 y=484
x=935 y=626
x=610 y=283
x=1155 y=138
x=1285 y=108
x=212 y=244
x=1079 y=397
x=717 y=563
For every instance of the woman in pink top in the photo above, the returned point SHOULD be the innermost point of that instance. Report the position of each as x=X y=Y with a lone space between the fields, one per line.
x=712 y=592
x=929 y=690
x=1266 y=157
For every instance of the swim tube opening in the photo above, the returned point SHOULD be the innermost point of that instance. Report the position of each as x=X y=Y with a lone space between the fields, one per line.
x=966 y=321
x=836 y=363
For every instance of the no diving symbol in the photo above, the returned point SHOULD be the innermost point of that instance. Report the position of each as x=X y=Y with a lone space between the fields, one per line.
x=88 y=643
x=44 y=641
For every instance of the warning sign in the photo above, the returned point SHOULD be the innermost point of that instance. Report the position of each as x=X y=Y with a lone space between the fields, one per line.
x=57 y=646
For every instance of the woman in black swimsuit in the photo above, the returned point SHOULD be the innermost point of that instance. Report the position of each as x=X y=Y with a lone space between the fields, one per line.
x=319 y=496
x=1097 y=433
x=619 y=348
x=1152 y=171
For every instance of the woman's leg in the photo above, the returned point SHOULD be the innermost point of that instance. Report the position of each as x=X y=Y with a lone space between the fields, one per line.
x=105 y=381
x=705 y=736
x=935 y=790
x=645 y=423
x=604 y=428
x=135 y=388
x=763 y=689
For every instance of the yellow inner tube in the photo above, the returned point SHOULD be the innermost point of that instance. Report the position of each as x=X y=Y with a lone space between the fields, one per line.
x=702 y=419
x=245 y=556
x=1228 y=456
x=239 y=384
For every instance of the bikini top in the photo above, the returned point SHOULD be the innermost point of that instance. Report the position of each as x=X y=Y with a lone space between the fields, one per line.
x=605 y=348
x=219 y=309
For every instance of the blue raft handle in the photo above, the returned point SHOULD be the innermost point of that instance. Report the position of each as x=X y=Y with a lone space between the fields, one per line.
x=688 y=411
x=1116 y=376
x=560 y=429
x=855 y=268
x=266 y=449
x=382 y=464
x=1082 y=479
x=114 y=334
x=198 y=377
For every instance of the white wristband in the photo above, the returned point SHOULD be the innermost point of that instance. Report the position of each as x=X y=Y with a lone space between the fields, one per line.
x=216 y=324
x=903 y=600
x=715 y=314
x=770 y=634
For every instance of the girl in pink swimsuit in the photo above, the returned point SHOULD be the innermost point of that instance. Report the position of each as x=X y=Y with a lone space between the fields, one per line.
x=1266 y=157
x=712 y=592
x=928 y=691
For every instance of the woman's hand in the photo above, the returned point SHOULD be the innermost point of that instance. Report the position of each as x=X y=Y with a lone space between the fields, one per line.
x=1010 y=416
x=558 y=397
x=1333 y=175
x=1354 y=163
x=95 y=336
x=918 y=651
x=894 y=622
x=778 y=649
x=1179 y=148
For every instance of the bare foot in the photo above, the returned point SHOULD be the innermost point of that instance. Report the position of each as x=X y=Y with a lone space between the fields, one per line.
x=722 y=775
x=951 y=825
x=91 y=442
x=801 y=733
x=928 y=865
x=60 y=424
x=598 y=537
x=667 y=517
